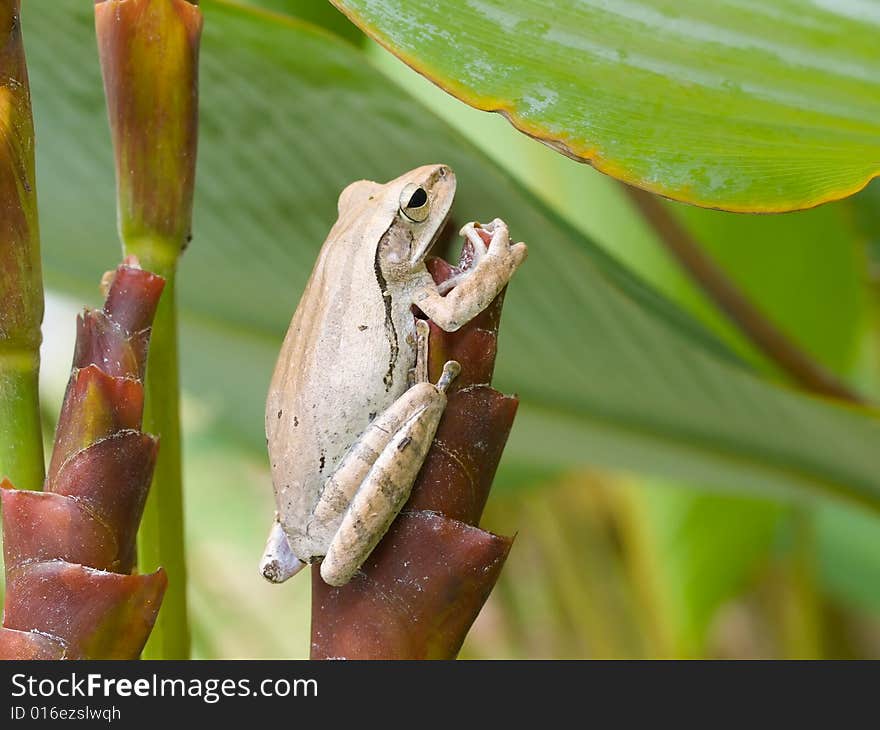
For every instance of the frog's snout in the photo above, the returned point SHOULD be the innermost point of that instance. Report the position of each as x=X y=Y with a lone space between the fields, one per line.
x=441 y=175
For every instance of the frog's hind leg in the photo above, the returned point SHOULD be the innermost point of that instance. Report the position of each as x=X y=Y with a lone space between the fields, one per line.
x=375 y=479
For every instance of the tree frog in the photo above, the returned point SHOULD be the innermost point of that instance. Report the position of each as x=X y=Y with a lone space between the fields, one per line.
x=350 y=415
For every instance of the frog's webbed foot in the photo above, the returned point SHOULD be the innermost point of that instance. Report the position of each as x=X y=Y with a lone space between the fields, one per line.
x=478 y=249
x=278 y=562
x=469 y=293
x=374 y=479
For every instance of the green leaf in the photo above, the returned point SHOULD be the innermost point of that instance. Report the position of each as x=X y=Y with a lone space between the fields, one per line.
x=746 y=106
x=609 y=372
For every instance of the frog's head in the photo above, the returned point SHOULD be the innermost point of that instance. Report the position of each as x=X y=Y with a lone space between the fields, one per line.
x=403 y=217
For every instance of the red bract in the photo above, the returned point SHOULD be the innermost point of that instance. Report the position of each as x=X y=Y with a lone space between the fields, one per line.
x=421 y=589
x=69 y=550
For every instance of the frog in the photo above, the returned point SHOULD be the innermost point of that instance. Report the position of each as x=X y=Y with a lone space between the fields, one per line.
x=350 y=413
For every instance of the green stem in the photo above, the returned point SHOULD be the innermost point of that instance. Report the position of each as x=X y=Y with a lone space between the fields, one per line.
x=161 y=537
x=21 y=440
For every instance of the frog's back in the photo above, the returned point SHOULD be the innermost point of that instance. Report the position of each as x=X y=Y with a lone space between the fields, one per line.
x=336 y=371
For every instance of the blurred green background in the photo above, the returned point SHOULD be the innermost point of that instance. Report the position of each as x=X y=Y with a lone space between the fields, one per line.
x=605 y=564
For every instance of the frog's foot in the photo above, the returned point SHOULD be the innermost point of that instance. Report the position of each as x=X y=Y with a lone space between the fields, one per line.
x=451 y=370
x=498 y=234
x=498 y=255
x=470 y=292
x=278 y=562
x=499 y=241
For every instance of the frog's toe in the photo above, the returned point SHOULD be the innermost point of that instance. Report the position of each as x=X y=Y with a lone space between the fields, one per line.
x=279 y=563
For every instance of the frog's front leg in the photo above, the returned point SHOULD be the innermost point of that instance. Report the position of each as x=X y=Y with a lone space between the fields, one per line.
x=374 y=480
x=475 y=289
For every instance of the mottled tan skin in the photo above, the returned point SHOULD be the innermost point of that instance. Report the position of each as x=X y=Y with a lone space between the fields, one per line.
x=347 y=429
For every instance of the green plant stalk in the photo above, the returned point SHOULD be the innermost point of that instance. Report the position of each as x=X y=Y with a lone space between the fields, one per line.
x=21 y=286
x=161 y=535
x=21 y=440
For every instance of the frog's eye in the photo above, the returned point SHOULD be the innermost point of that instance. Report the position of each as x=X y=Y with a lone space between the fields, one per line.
x=414 y=203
